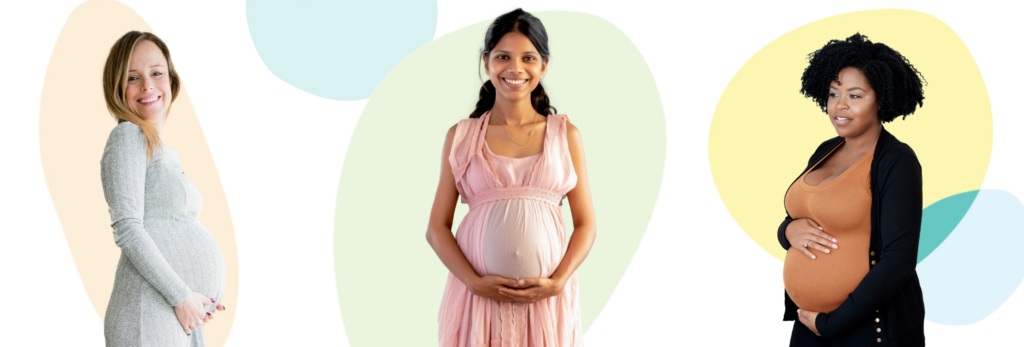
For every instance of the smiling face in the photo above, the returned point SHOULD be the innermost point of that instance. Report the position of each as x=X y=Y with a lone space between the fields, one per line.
x=852 y=104
x=149 y=85
x=515 y=67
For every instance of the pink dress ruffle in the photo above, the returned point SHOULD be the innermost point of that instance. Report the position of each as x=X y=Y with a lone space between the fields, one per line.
x=514 y=229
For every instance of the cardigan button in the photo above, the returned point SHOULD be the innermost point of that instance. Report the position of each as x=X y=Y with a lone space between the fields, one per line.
x=873 y=262
x=879 y=340
x=872 y=253
x=876 y=320
x=878 y=329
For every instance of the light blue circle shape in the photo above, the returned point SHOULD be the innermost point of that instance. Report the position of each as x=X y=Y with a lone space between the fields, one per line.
x=338 y=50
x=979 y=265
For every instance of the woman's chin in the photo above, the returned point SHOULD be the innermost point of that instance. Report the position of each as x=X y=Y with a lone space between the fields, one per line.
x=516 y=96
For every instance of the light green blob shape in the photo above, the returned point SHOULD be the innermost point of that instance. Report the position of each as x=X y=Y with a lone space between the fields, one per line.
x=390 y=282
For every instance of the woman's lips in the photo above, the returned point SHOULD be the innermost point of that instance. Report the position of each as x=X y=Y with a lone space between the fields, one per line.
x=149 y=100
x=842 y=120
x=514 y=83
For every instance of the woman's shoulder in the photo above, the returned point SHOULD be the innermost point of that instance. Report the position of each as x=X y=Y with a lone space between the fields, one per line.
x=126 y=133
x=893 y=150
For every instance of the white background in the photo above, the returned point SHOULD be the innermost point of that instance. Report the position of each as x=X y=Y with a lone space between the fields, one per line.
x=696 y=279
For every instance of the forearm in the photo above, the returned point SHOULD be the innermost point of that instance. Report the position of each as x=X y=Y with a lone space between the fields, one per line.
x=783 y=241
x=130 y=235
x=879 y=287
x=447 y=249
x=583 y=236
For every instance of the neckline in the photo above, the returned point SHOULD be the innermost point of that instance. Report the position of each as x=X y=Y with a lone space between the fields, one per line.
x=490 y=152
x=860 y=161
x=544 y=138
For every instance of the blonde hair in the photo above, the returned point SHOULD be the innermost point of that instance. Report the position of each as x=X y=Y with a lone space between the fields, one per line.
x=115 y=84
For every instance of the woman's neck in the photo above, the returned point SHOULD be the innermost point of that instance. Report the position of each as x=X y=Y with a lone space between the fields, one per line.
x=514 y=113
x=156 y=122
x=863 y=142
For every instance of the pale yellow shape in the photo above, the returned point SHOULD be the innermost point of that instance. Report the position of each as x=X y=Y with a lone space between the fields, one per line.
x=73 y=129
x=764 y=130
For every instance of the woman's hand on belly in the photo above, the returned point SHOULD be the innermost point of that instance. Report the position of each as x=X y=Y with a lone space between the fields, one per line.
x=806 y=231
x=213 y=314
x=531 y=290
x=489 y=287
x=808 y=317
x=190 y=312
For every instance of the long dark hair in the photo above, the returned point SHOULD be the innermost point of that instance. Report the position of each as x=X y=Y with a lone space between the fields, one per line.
x=527 y=24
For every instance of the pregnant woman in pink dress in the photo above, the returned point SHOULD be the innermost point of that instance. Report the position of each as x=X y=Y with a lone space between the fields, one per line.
x=512 y=275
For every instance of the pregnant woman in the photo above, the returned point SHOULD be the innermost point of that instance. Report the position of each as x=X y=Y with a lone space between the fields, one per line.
x=512 y=278
x=171 y=271
x=854 y=214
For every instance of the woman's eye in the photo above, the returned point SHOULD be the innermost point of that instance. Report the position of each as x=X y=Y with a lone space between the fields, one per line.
x=502 y=56
x=132 y=78
x=854 y=96
x=158 y=73
x=530 y=58
x=832 y=95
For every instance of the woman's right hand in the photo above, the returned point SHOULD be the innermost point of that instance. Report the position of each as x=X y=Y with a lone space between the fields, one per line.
x=191 y=313
x=487 y=286
x=806 y=231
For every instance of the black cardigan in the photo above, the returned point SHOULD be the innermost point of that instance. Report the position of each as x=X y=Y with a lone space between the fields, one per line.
x=887 y=304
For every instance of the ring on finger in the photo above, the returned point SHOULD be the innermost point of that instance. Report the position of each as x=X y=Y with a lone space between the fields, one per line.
x=808 y=242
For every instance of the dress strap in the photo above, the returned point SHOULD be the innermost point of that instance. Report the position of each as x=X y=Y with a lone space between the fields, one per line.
x=467 y=143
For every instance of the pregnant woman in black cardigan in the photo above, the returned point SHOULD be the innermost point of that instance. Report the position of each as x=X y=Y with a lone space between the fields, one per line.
x=876 y=84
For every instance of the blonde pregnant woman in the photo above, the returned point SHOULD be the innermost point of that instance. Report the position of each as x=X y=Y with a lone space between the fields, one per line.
x=512 y=276
x=171 y=272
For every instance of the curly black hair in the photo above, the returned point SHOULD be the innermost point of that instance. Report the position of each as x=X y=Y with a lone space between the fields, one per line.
x=896 y=82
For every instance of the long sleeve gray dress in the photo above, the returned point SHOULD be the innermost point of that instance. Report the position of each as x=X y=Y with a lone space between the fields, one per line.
x=166 y=253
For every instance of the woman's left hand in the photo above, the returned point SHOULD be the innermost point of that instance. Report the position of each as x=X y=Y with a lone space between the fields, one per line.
x=531 y=290
x=808 y=317
x=212 y=314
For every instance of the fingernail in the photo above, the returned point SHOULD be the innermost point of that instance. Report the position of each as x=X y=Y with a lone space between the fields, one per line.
x=835 y=246
x=834 y=240
x=828 y=250
x=820 y=228
x=813 y=257
x=207 y=313
x=211 y=300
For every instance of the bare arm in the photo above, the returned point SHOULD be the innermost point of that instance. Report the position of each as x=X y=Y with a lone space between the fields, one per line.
x=582 y=207
x=440 y=238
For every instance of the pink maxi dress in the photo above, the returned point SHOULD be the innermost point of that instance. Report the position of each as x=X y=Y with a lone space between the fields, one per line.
x=514 y=229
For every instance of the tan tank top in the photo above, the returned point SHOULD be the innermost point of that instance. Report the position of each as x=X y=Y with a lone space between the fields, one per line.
x=842 y=207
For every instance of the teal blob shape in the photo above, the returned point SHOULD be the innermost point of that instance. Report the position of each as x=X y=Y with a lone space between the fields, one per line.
x=979 y=265
x=338 y=50
x=939 y=219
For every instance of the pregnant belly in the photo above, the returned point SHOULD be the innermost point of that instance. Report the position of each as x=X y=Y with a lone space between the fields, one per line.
x=192 y=252
x=522 y=239
x=823 y=284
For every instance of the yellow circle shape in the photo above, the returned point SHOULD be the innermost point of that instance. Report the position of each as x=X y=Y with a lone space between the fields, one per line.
x=764 y=130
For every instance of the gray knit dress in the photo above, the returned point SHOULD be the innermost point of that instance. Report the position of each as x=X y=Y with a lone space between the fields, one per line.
x=166 y=253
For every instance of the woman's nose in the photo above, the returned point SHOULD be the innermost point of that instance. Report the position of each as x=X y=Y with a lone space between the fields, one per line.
x=841 y=104
x=515 y=66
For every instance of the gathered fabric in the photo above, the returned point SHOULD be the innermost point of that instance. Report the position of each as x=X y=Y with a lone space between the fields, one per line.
x=514 y=229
